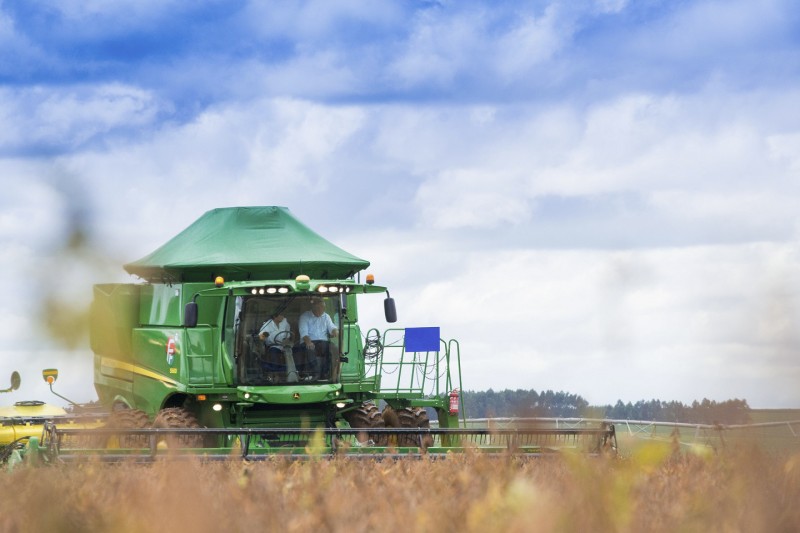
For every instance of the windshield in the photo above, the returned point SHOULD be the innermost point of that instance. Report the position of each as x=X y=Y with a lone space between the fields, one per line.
x=287 y=339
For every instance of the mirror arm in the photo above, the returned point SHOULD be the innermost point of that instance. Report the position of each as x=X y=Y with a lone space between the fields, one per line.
x=62 y=397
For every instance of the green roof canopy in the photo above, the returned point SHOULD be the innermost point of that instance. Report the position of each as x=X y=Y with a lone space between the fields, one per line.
x=241 y=243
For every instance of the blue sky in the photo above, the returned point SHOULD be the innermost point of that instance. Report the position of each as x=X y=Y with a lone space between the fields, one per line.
x=620 y=177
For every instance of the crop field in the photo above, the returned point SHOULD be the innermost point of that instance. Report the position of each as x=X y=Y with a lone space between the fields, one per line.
x=772 y=430
x=655 y=487
x=773 y=433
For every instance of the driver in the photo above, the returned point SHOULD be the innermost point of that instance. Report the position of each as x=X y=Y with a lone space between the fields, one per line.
x=273 y=333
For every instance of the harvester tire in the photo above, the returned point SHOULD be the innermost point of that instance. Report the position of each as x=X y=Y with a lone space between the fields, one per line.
x=367 y=416
x=178 y=418
x=422 y=421
x=126 y=419
x=409 y=417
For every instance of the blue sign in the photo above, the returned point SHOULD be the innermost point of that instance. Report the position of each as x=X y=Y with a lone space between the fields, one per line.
x=422 y=339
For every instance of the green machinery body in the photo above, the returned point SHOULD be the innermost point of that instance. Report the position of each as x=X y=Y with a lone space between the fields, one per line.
x=147 y=359
x=187 y=338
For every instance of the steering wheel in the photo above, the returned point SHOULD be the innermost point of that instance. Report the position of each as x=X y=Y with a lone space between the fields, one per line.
x=283 y=338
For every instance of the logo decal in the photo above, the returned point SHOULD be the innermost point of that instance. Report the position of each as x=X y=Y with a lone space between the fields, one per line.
x=170 y=350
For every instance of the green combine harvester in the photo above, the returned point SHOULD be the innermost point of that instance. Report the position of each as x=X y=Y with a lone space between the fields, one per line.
x=244 y=340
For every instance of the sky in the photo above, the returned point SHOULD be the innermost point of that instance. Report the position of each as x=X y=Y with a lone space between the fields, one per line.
x=599 y=197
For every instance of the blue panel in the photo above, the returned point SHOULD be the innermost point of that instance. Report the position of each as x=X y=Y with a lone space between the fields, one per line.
x=422 y=339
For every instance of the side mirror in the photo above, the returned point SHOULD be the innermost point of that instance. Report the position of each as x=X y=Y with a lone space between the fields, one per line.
x=343 y=303
x=50 y=375
x=15 y=381
x=389 y=310
x=190 y=315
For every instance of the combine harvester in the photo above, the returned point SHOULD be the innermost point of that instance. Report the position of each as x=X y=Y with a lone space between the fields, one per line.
x=216 y=353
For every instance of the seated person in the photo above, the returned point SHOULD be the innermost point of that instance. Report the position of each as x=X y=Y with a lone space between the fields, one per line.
x=274 y=334
x=316 y=329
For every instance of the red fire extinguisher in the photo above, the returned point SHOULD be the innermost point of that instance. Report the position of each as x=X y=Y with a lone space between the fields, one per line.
x=454 y=402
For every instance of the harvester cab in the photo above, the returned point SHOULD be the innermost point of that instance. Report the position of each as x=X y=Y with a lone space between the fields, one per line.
x=301 y=331
x=291 y=352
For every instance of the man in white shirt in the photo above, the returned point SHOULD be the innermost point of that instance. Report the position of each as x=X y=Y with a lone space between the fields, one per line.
x=316 y=329
x=274 y=333
x=275 y=330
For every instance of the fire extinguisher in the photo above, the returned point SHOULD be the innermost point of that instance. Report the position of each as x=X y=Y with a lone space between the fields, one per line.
x=454 y=402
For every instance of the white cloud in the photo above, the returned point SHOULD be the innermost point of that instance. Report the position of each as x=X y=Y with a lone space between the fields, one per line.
x=68 y=117
x=716 y=162
x=531 y=42
x=481 y=167
x=768 y=211
x=671 y=323
x=29 y=207
x=470 y=199
x=446 y=47
x=784 y=149
x=438 y=48
x=271 y=152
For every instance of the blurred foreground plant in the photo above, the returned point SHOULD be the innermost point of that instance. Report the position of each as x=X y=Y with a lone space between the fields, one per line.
x=655 y=489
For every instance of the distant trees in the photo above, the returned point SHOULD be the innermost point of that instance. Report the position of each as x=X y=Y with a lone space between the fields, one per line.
x=524 y=403
x=705 y=412
x=529 y=403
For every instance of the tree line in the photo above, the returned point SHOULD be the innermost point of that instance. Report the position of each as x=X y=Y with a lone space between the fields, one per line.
x=529 y=403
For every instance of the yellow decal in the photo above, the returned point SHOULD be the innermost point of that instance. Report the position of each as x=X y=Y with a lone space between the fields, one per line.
x=173 y=370
x=113 y=363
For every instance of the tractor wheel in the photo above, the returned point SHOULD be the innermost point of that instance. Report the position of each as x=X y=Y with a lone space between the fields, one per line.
x=178 y=418
x=409 y=417
x=422 y=421
x=367 y=416
x=126 y=419
x=389 y=416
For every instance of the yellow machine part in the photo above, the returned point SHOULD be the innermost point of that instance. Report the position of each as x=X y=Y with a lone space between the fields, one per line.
x=25 y=421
